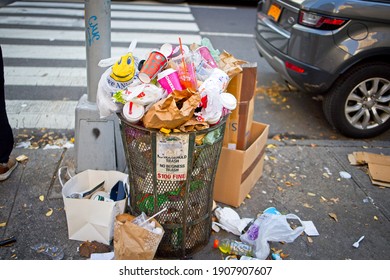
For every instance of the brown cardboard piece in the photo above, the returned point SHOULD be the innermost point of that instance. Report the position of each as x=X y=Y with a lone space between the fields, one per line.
x=239 y=170
x=378 y=166
x=243 y=87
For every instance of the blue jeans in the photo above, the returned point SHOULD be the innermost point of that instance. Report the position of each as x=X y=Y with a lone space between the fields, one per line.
x=6 y=136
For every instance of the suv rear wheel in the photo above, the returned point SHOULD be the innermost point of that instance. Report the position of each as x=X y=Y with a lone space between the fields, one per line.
x=358 y=105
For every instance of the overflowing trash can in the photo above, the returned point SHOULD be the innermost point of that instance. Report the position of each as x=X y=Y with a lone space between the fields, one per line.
x=175 y=172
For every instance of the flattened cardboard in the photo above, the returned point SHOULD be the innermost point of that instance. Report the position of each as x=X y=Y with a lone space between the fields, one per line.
x=239 y=170
x=243 y=87
x=378 y=166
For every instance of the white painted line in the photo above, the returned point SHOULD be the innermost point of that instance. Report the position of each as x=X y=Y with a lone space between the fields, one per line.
x=222 y=34
x=79 y=36
x=41 y=114
x=151 y=6
x=63 y=52
x=114 y=14
x=117 y=24
x=45 y=76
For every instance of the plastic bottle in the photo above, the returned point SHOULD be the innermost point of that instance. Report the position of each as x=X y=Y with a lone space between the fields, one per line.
x=228 y=246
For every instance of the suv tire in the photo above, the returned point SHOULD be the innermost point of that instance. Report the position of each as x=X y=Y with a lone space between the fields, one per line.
x=354 y=111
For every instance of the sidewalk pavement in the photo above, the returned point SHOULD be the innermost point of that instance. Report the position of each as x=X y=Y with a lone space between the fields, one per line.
x=300 y=177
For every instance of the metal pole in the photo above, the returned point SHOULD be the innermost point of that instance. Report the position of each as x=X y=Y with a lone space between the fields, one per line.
x=98 y=141
x=98 y=41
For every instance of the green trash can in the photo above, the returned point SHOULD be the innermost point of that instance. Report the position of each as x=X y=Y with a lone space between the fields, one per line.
x=175 y=172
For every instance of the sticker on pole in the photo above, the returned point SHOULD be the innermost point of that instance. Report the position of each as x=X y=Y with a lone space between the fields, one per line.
x=172 y=157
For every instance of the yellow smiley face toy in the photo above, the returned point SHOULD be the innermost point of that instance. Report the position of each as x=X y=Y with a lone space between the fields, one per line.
x=124 y=69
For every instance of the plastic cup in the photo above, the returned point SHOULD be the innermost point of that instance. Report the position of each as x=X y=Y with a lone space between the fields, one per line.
x=133 y=112
x=186 y=71
x=206 y=55
x=152 y=66
x=169 y=80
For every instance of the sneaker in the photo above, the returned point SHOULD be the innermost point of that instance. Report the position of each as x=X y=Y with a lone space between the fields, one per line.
x=7 y=168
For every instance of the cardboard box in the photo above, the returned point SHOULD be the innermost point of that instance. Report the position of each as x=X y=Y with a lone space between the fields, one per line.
x=239 y=170
x=378 y=166
x=243 y=87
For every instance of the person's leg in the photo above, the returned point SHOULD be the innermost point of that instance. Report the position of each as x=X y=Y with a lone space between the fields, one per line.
x=7 y=163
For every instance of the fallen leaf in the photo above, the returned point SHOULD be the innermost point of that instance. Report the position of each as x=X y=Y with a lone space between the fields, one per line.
x=271 y=146
x=307 y=205
x=248 y=196
x=3 y=224
x=323 y=198
x=280 y=189
x=289 y=184
x=292 y=175
x=326 y=175
x=313 y=145
x=276 y=137
x=311 y=194
x=50 y=212
x=376 y=218
x=41 y=197
x=309 y=239
x=333 y=216
x=283 y=255
x=335 y=200
x=22 y=158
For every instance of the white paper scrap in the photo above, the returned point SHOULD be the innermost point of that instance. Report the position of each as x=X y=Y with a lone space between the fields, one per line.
x=310 y=228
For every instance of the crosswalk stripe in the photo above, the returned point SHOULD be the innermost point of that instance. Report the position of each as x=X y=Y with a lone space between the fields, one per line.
x=79 y=36
x=41 y=114
x=152 y=7
x=45 y=76
x=114 y=14
x=115 y=24
x=62 y=52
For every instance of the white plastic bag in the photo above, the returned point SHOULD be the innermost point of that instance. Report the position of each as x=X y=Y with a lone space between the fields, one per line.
x=270 y=227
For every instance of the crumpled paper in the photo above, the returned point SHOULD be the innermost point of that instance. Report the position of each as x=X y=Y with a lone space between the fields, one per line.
x=230 y=221
x=173 y=111
x=230 y=64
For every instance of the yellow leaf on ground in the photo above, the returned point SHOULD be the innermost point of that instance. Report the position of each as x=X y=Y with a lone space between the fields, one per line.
x=307 y=205
x=283 y=255
x=50 y=212
x=41 y=197
x=271 y=146
x=248 y=196
x=335 y=200
x=333 y=216
x=3 y=224
x=323 y=198
x=309 y=239
x=311 y=194
x=376 y=218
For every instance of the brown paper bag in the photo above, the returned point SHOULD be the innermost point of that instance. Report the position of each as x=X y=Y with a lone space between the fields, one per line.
x=132 y=242
x=167 y=113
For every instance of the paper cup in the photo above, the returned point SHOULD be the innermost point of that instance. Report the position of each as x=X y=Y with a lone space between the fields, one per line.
x=152 y=66
x=228 y=100
x=133 y=112
x=169 y=80
x=166 y=50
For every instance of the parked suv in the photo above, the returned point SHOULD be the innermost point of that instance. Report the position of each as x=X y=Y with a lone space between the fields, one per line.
x=338 y=48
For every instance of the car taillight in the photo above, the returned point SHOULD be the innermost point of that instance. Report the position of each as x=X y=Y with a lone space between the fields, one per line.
x=319 y=21
x=294 y=67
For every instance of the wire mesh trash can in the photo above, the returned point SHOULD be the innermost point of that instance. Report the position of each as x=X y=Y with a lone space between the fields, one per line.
x=175 y=172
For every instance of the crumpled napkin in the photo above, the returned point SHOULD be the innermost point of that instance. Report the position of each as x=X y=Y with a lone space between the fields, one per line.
x=229 y=220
